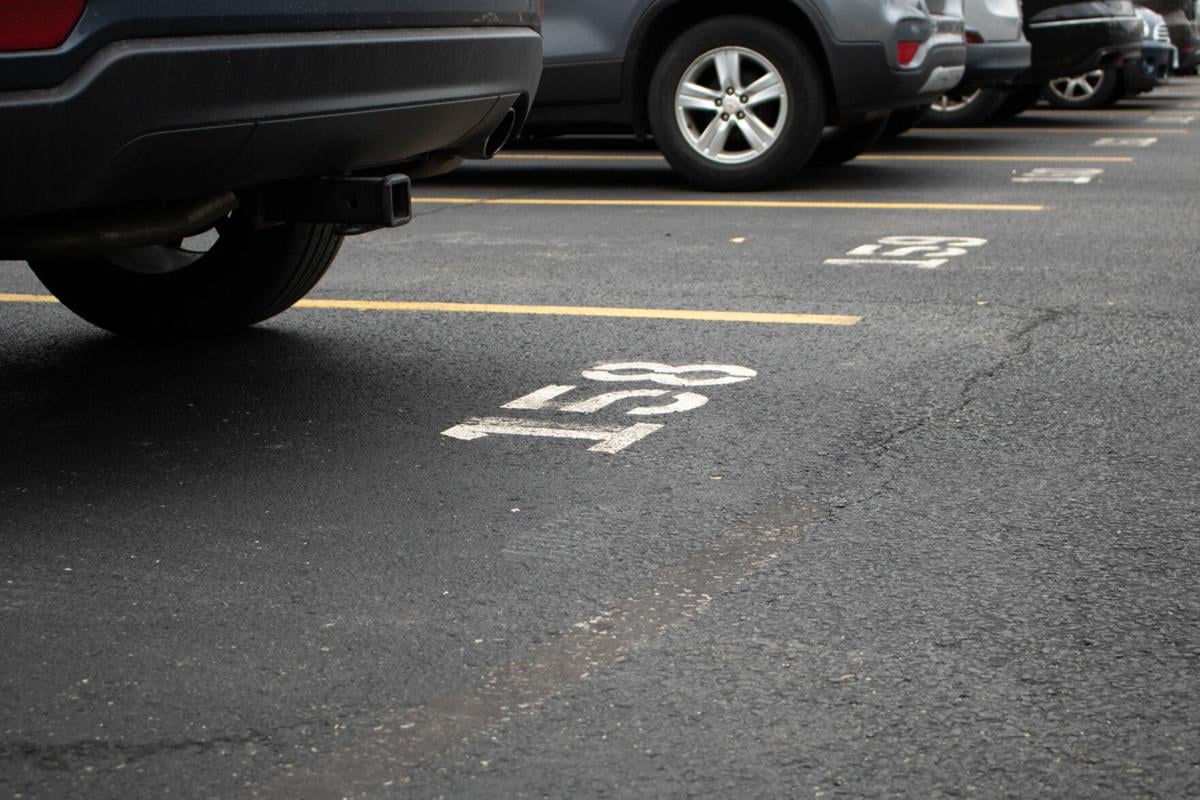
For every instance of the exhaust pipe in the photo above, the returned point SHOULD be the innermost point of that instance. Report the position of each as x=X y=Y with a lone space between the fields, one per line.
x=80 y=234
x=489 y=145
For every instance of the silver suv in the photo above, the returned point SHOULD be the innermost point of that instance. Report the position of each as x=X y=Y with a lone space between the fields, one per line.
x=997 y=53
x=740 y=94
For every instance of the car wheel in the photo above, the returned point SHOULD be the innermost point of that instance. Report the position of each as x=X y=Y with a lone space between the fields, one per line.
x=842 y=143
x=1093 y=89
x=961 y=108
x=232 y=277
x=902 y=120
x=736 y=103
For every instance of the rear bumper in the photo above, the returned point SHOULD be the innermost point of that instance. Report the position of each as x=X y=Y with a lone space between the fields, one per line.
x=1074 y=46
x=1151 y=69
x=865 y=81
x=172 y=117
x=996 y=63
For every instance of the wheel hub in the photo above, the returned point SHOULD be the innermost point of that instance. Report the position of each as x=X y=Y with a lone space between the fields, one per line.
x=731 y=105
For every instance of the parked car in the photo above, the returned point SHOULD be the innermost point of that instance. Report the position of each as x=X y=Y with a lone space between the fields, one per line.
x=997 y=53
x=277 y=127
x=1067 y=38
x=741 y=95
x=1101 y=87
x=1182 y=21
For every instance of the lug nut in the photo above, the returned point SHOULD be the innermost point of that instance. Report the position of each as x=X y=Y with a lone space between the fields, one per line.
x=745 y=99
x=741 y=115
x=729 y=90
x=724 y=117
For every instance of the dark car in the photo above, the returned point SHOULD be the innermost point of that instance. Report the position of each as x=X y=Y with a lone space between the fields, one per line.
x=1068 y=38
x=277 y=126
x=1102 y=87
x=740 y=94
x=1181 y=19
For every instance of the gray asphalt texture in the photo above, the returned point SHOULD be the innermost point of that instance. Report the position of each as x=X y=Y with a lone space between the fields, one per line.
x=950 y=551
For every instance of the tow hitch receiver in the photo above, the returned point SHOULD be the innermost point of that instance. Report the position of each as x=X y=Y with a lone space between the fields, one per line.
x=356 y=203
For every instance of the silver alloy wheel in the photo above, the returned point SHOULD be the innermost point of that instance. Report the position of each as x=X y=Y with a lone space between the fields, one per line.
x=731 y=105
x=1077 y=88
x=949 y=103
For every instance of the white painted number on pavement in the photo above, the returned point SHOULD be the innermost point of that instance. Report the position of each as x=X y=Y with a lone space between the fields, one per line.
x=667 y=375
x=1110 y=141
x=609 y=438
x=1059 y=175
x=934 y=251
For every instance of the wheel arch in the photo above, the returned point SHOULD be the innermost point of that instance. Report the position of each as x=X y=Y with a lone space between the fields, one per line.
x=664 y=20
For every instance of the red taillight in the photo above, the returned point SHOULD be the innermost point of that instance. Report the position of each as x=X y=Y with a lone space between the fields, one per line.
x=906 y=52
x=37 y=24
x=974 y=37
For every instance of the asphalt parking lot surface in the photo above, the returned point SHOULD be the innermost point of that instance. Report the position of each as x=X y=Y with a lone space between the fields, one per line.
x=587 y=484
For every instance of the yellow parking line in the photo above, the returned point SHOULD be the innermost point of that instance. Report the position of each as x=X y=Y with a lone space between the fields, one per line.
x=586 y=311
x=1078 y=131
x=575 y=157
x=762 y=318
x=1015 y=159
x=789 y=204
x=27 y=298
x=866 y=157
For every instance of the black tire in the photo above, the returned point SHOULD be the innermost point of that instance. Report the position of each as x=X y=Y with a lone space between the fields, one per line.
x=964 y=108
x=902 y=120
x=246 y=276
x=843 y=143
x=797 y=130
x=1095 y=89
x=1019 y=99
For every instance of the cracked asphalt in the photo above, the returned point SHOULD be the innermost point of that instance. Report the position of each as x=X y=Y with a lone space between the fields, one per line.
x=946 y=550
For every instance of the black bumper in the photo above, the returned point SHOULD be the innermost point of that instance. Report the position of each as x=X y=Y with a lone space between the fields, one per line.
x=1075 y=46
x=1151 y=69
x=997 y=63
x=865 y=81
x=172 y=117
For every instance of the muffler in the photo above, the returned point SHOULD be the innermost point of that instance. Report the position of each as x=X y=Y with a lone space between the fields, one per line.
x=85 y=233
x=489 y=145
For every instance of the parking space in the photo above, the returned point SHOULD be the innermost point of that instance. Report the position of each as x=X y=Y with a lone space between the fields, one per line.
x=585 y=460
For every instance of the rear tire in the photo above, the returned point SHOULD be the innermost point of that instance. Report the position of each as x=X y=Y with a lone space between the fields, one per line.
x=844 y=143
x=246 y=276
x=1018 y=100
x=1095 y=89
x=902 y=120
x=962 y=108
x=776 y=89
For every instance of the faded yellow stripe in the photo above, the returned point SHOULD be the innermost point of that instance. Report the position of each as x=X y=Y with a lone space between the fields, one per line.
x=27 y=298
x=866 y=157
x=576 y=157
x=1018 y=159
x=760 y=317
x=586 y=311
x=566 y=201
x=1079 y=131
